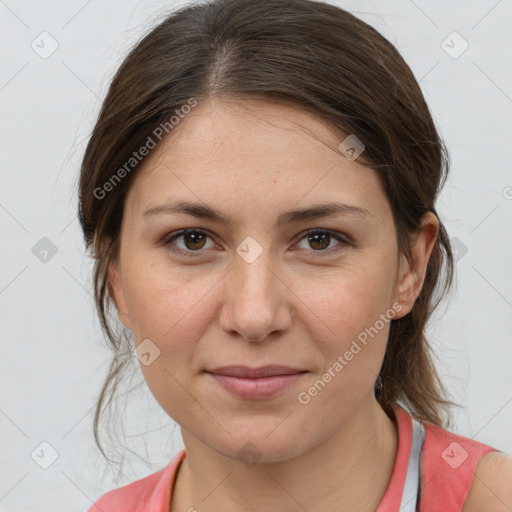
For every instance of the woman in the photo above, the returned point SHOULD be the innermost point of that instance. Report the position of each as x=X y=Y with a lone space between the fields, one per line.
x=259 y=194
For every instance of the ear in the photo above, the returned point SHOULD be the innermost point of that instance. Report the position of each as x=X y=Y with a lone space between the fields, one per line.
x=411 y=275
x=115 y=279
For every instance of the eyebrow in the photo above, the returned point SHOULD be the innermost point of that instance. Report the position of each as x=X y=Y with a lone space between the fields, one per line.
x=202 y=211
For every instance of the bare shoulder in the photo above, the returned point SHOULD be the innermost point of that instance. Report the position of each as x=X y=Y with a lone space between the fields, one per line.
x=491 y=490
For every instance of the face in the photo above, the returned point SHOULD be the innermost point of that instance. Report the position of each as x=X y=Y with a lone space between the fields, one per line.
x=258 y=285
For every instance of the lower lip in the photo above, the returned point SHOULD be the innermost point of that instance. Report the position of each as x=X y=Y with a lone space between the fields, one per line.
x=263 y=387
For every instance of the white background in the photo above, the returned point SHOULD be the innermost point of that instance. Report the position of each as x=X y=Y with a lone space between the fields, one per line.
x=53 y=358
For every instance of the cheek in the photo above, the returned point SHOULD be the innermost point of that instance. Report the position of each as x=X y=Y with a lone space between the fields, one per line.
x=172 y=310
x=166 y=302
x=356 y=313
x=352 y=299
x=352 y=352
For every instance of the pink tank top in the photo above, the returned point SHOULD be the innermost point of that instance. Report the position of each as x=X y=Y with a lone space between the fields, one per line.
x=433 y=471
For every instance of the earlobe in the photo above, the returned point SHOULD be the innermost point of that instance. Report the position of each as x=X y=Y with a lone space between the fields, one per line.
x=411 y=273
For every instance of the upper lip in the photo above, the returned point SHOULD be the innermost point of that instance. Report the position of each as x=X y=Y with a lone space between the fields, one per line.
x=248 y=372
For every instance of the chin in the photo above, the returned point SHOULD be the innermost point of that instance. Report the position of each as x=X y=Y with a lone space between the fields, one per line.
x=253 y=448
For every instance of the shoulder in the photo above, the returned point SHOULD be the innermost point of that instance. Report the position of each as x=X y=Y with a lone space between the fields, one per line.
x=491 y=489
x=133 y=495
x=461 y=474
x=148 y=494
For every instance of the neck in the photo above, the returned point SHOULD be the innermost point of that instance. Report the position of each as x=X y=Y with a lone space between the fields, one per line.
x=350 y=471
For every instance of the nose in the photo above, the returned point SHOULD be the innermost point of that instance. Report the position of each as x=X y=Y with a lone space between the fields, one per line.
x=256 y=300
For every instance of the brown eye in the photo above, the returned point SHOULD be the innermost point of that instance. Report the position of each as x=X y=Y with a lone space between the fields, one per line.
x=193 y=240
x=320 y=240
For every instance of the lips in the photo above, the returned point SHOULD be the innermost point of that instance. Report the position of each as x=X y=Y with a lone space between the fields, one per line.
x=261 y=383
x=255 y=373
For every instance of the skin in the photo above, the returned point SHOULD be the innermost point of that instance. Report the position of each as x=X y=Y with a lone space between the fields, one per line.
x=295 y=305
x=491 y=489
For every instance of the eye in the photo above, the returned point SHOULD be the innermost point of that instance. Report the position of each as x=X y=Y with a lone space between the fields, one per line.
x=320 y=240
x=193 y=241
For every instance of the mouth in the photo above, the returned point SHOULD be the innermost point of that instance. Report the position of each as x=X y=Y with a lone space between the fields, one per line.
x=256 y=383
x=255 y=373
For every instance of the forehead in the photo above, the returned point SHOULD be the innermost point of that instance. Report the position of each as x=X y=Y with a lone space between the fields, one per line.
x=227 y=152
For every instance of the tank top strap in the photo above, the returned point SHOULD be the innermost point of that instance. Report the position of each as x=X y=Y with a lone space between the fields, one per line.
x=433 y=470
x=412 y=485
x=405 y=475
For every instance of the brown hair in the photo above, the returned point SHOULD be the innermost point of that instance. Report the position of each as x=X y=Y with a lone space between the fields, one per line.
x=318 y=57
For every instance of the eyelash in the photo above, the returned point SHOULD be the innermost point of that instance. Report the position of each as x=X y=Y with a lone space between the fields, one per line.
x=345 y=241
